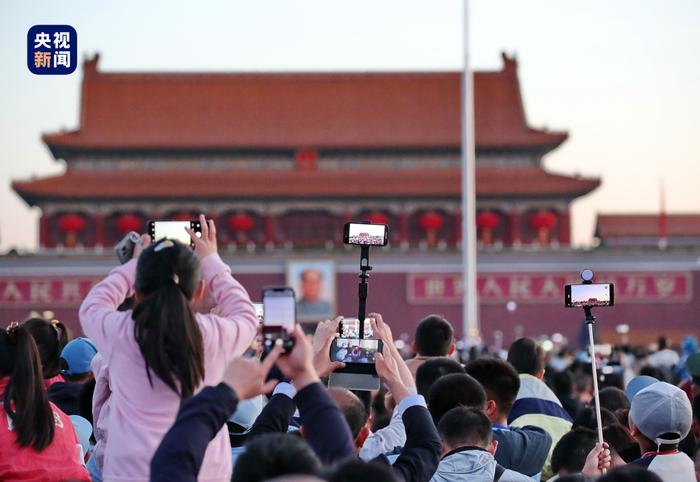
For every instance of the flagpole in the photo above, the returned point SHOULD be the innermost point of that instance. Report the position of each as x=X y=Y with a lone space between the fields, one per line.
x=470 y=308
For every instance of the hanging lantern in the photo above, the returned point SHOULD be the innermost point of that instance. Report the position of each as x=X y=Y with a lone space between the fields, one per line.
x=543 y=222
x=129 y=222
x=430 y=222
x=377 y=217
x=240 y=222
x=487 y=221
x=71 y=224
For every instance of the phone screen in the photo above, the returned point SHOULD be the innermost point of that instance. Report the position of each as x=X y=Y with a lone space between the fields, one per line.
x=174 y=230
x=279 y=308
x=350 y=328
x=259 y=311
x=354 y=350
x=589 y=295
x=367 y=234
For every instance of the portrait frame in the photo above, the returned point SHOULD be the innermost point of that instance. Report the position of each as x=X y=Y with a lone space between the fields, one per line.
x=326 y=306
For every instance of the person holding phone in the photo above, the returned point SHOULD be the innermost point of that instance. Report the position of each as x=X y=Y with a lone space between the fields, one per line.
x=161 y=352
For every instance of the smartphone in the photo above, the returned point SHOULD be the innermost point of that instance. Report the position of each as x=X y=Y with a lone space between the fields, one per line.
x=589 y=295
x=259 y=311
x=174 y=230
x=366 y=234
x=279 y=308
x=355 y=352
x=350 y=328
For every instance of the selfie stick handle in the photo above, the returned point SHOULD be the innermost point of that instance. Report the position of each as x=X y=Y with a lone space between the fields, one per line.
x=362 y=289
x=590 y=321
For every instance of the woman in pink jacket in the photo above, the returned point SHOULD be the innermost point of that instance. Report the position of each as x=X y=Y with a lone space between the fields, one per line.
x=162 y=352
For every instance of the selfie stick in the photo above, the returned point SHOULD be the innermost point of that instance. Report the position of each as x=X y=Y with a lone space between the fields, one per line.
x=362 y=289
x=590 y=321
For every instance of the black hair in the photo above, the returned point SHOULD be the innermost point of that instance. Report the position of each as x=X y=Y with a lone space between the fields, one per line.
x=562 y=383
x=25 y=401
x=620 y=440
x=452 y=391
x=587 y=418
x=613 y=399
x=85 y=403
x=499 y=379
x=696 y=408
x=359 y=471
x=165 y=328
x=526 y=356
x=630 y=473
x=662 y=343
x=434 y=336
x=652 y=371
x=463 y=426
x=428 y=372
x=274 y=455
x=380 y=415
x=572 y=449
x=50 y=338
x=352 y=407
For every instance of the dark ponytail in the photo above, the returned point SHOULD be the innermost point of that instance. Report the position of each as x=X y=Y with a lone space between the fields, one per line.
x=165 y=328
x=50 y=338
x=25 y=401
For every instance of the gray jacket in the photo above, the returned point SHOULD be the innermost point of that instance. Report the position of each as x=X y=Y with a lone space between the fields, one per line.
x=472 y=464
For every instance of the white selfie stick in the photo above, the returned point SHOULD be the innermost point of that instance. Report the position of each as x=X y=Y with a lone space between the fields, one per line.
x=587 y=276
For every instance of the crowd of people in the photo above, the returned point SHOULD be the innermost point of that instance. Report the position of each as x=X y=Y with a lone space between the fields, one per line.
x=155 y=391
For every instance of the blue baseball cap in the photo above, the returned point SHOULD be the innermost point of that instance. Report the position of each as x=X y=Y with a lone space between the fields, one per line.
x=638 y=384
x=78 y=354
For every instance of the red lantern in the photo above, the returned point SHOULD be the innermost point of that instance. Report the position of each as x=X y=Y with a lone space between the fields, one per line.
x=71 y=224
x=240 y=222
x=487 y=221
x=543 y=222
x=128 y=222
x=377 y=217
x=430 y=222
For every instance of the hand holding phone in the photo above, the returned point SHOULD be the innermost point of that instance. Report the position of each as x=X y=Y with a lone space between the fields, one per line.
x=279 y=307
x=204 y=244
x=298 y=364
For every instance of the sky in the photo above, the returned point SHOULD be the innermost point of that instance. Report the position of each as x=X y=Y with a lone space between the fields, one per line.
x=621 y=77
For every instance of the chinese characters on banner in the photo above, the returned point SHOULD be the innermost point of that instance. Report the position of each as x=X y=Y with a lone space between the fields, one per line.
x=637 y=287
x=52 y=49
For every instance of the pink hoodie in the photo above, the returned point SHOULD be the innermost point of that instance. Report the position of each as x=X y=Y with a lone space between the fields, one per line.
x=140 y=414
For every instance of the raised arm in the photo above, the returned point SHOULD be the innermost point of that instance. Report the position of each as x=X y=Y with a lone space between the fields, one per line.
x=232 y=301
x=179 y=455
x=103 y=299
x=325 y=427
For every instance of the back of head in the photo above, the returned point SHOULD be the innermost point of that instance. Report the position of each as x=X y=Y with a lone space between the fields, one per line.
x=275 y=455
x=662 y=343
x=25 y=401
x=462 y=427
x=570 y=453
x=432 y=369
x=587 y=418
x=563 y=383
x=352 y=407
x=499 y=379
x=434 y=336
x=76 y=358
x=630 y=473
x=620 y=440
x=359 y=471
x=455 y=390
x=50 y=338
x=165 y=328
x=613 y=399
x=526 y=356
x=662 y=413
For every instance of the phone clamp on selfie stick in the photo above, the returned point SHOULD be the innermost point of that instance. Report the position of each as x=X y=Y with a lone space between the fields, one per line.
x=587 y=277
x=362 y=288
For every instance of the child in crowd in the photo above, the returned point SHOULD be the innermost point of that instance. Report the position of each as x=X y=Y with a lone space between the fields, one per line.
x=161 y=352
x=50 y=338
x=37 y=440
x=75 y=369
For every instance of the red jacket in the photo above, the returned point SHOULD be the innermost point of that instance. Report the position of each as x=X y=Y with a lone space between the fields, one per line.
x=58 y=462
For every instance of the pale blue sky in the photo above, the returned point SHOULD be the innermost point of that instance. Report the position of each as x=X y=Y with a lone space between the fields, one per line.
x=622 y=77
